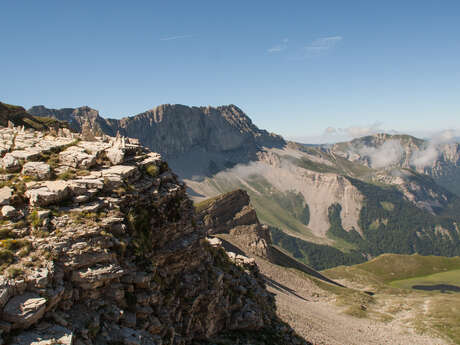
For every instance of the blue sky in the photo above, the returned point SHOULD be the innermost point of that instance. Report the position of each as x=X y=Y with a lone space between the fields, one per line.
x=295 y=67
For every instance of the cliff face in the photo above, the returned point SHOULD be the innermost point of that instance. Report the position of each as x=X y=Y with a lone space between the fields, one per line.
x=232 y=214
x=195 y=140
x=99 y=245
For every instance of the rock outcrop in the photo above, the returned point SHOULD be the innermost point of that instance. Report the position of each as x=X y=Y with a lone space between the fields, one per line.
x=108 y=251
x=232 y=214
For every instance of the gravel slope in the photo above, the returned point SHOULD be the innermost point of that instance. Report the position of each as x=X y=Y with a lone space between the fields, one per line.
x=312 y=314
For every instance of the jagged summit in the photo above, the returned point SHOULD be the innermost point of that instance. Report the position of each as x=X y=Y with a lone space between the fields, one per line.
x=197 y=141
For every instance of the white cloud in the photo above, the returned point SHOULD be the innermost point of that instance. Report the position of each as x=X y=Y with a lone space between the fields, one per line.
x=426 y=157
x=390 y=152
x=171 y=38
x=355 y=131
x=323 y=43
x=279 y=47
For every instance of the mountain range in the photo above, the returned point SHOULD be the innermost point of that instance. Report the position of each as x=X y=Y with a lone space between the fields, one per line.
x=326 y=204
x=100 y=242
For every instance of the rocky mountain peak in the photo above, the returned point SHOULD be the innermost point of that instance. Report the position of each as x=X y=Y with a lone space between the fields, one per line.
x=197 y=141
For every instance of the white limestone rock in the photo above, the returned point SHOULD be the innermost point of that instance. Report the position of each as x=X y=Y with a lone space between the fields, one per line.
x=5 y=195
x=10 y=163
x=9 y=211
x=39 y=170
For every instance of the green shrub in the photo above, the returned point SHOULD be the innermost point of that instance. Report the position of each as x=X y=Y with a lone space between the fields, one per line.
x=14 y=245
x=34 y=219
x=14 y=272
x=6 y=257
x=5 y=233
x=66 y=175
x=152 y=170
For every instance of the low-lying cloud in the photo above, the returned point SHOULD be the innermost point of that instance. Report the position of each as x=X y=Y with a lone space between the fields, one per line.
x=426 y=157
x=389 y=153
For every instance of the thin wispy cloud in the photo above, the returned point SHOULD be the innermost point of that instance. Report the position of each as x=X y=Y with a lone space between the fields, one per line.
x=317 y=47
x=323 y=43
x=279 y=47
x=171 y=38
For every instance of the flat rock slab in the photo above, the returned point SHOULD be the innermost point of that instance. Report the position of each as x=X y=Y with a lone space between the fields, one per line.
x=24 y=310
x=27 y=155
x=93 y=277
x=120 y=170
x=39 y=170
x=49 y=193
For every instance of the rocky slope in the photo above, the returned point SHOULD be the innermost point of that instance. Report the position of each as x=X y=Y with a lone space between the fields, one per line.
x=320 y=200
x=194 y=140
x=305 y=298
x=99 y=245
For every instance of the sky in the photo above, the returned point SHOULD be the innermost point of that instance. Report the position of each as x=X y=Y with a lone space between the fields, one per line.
x=308 y=70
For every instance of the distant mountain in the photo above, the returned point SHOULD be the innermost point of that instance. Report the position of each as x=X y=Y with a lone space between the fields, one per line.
x=326 y=205
x=436 y=158
x=195 y=140
x=317 y=199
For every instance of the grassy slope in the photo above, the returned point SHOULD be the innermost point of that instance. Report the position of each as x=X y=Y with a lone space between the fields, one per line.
x=448 y=278
x=427 y=311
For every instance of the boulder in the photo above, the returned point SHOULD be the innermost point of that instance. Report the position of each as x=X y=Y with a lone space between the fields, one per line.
x=10 y=163
x=24 y=310
x=50 y=192
x=77 y=157
x=9 y=211
x=39 y=170
x=115 y=155
x=5 y=195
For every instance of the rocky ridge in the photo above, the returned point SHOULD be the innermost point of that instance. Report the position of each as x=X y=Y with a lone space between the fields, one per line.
x=232 y=214
x=99 y=245
x=194 y=140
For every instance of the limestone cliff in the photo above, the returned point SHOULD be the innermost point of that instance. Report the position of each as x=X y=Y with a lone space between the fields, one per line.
x=194 y=140
x=99 y=245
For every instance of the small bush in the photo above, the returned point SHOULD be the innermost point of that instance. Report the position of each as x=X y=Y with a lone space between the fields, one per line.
x=66 y=175
x=6 y=257
x=152 y=170
x=5 y=233
x=34 y=219
x=83 y=172
x=14 y=272
x=14 y=245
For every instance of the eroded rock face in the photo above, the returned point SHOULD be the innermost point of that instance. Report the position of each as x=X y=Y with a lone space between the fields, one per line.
x=232 y=214
x=112 y=253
